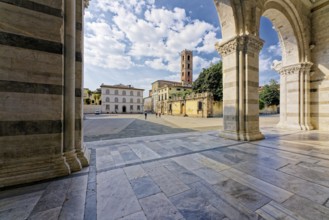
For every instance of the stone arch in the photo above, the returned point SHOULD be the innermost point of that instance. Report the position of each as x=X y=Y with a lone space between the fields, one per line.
x=290 y=29
x=227 y=18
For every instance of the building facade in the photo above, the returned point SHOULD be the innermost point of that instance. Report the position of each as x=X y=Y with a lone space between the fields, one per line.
x=121 y=99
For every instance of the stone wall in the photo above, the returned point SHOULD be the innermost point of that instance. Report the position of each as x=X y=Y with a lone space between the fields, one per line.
x=32 y=92
x=320 y=76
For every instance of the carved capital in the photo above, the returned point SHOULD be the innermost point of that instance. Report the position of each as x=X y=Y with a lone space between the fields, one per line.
x=246 y=43
x=296 y=69
x=86 y=3
x=227 y=47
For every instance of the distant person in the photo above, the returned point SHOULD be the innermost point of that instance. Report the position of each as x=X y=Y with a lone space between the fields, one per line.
x=156 y=114
x=159 y=114
x=145 y=115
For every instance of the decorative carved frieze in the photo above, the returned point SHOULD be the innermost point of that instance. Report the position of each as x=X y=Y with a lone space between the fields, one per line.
x=247 y=43
x=228 y=47
x=296 y=68
x=86 y=3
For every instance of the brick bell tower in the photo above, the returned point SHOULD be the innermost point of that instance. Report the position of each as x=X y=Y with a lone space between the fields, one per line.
x=187 y=67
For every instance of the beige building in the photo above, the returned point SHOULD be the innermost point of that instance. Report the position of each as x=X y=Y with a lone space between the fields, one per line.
x=42 y=59
x=200 y=105
x=121 y=99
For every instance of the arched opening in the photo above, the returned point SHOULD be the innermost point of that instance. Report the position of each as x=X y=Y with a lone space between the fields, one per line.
x=124 y=109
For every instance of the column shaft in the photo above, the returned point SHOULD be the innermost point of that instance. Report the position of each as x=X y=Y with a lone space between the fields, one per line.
x=69 y=85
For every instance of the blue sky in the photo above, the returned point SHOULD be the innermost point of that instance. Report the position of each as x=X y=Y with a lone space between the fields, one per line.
x=137 y=42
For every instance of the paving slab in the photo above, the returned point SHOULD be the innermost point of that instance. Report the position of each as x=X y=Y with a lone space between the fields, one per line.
x=159 y=207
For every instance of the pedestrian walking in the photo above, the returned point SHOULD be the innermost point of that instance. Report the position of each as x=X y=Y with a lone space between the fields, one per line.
x=159 y=114
x=145 y=115
x=156 y=114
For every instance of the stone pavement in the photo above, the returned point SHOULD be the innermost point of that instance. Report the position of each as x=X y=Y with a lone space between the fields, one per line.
x=105 y=127
x=193 y=175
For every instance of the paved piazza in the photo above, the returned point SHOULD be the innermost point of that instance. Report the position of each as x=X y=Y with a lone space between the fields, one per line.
x=185 y=173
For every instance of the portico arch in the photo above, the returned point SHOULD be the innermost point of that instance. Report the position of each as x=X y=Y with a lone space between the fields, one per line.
x=295 y=66
x=240 y=54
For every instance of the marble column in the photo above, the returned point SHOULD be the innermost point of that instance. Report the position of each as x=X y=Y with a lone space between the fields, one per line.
x=81 y=151
x=295 y=96
x=240 y=87
x=69 y=85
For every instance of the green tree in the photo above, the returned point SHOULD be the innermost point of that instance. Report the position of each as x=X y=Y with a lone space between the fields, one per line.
x=210 y=80
x=270 y=94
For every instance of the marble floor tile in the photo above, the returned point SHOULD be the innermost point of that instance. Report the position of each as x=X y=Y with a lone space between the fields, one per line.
x=248 y=197
x=269 y=190
x=194 y=206
x=158 y=207
x=135 y=216
x=290 y=183
x=144 y=186
x=210 y=175
x=115 y=197
x=168 y=182
x=49 y=214
x=134 y=172
x=275 y=211
x=182 y=173
x=143 y=152
x=306 y=208
x=321 y=178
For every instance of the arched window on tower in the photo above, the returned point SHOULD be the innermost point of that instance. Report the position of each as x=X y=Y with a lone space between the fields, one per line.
x=188 y=57
x=188 y=66
x=188 y=74
x=182 y=73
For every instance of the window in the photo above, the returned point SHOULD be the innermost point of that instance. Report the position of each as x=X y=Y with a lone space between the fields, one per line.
x=188 y=74
x=116 y=92
x=131 y=100
x=123 y=92
x=107 y=99
x=124 y=100
x=188 y=57
x=159 y=98
x=116 y=99
x=131 y=108
x=178 y=89
x=199 y=106
x=138 y=101
x=107 y=107
x=131 y=93
x=188 y=66
x=182 y=65
x=138 y=93
x=183 y=57
x=170 y=107
x=162 y=97
x=138 y=107
x=166 y=96
x=116 y=107
x=107 y=92
x=182 y=73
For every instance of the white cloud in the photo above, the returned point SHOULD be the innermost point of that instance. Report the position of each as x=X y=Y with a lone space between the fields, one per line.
x=275 y=50
x=157 y=36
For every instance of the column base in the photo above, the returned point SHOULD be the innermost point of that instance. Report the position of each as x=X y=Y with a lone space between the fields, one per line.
x=84 y=156
x=241 y=136
x=298 y=127
x=73 y=161
x=32 y=170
